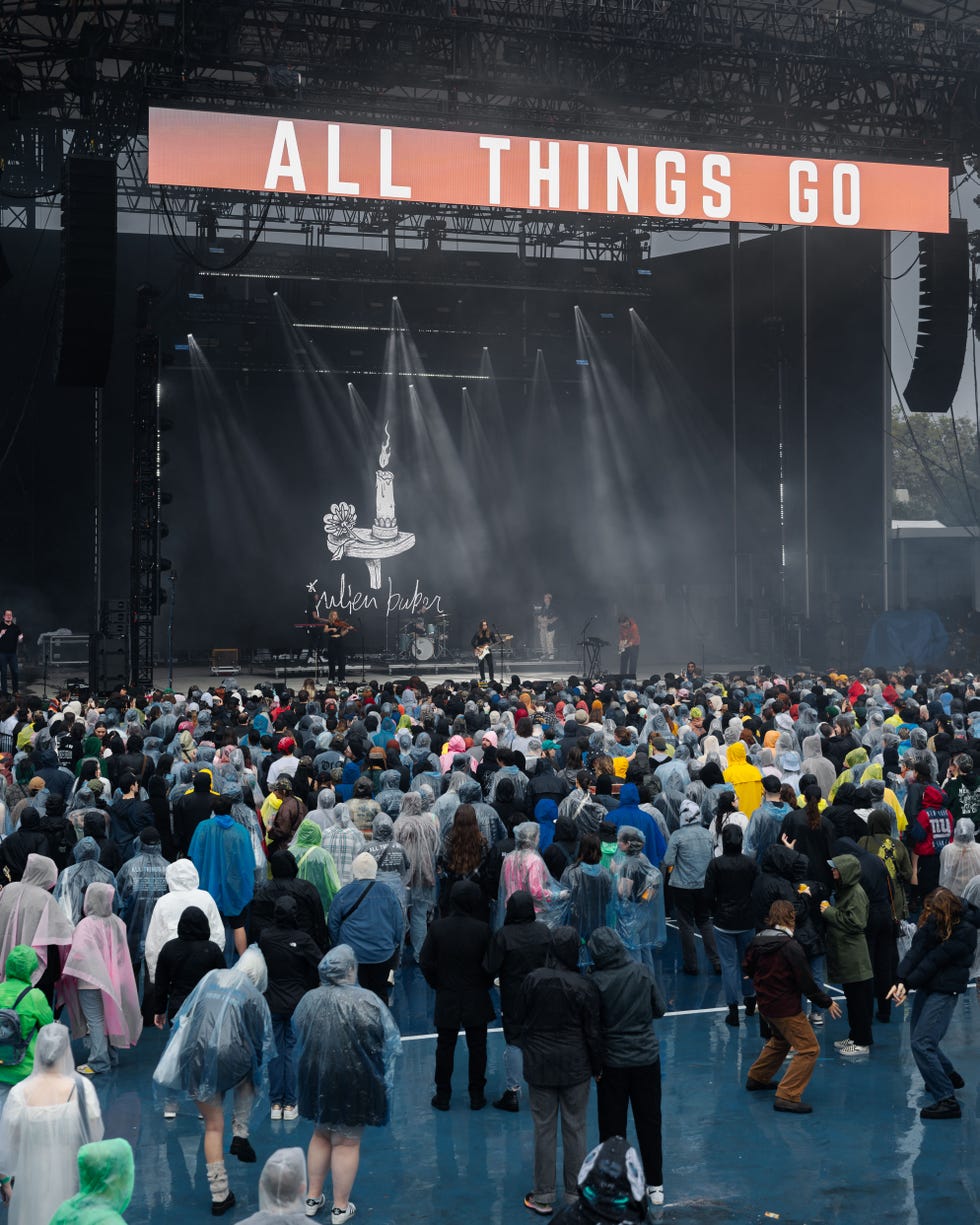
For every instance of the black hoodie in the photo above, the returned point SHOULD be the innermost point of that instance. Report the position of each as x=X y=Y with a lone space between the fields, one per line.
x=452 y=961
x=519 y=947
x=292 y=958
x=28 y=839
x=184 y=961
x=560 y=1035
x=728 y=884
x=630 y=1001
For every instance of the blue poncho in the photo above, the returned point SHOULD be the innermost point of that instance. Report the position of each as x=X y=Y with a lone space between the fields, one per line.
x=221 y=850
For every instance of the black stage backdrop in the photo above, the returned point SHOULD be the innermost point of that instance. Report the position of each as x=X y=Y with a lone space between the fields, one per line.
x=539 y=440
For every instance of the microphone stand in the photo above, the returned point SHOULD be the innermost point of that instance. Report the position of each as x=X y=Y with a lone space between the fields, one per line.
x=360 y=626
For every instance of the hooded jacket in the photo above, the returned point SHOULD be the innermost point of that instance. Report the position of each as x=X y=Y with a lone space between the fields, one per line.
x=629 y=1002
x=184 y=961
x=33 y=1010
x=814 y=762
x=745 y=779
x=848 y=960
x=690 y=849
x=932 y=828
x=629 y=812
x=285 y=880
x=934 y=964
x=778 y=967
x=560 y=1034
x=182 y=881
x=764 y=827
x=452 y=961
x=516 y=949
x=292 y=958
x=728 y=884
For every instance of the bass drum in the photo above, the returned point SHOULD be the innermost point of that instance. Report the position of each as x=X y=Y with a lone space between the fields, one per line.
x=423 y=649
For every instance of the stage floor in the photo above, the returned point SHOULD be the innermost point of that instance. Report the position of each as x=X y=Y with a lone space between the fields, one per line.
x=862 y=1155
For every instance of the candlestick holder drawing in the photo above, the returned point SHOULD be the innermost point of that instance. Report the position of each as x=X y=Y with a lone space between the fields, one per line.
x=383 y=539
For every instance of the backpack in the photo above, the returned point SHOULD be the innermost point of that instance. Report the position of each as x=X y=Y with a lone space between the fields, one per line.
x=887 y=852
x=13 y=1044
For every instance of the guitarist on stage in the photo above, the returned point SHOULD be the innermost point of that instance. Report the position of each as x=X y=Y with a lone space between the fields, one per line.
x=481 y=642
x=334 y=631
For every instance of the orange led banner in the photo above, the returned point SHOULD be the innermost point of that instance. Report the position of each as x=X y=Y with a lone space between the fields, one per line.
x=367 y=161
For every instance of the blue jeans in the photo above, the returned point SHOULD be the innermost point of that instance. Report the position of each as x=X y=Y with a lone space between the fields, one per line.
x=818 y=968
x=932 y=1012
x=513 y=1067
x=101 y=1056
x=421 y=902
x=732 y=947
x=282 y=1069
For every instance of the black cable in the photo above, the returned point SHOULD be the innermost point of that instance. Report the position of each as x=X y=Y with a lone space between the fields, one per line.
x=181 y=244
x=901 y=274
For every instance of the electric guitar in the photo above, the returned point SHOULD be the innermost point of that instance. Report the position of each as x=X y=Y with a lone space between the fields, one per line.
x=483 y=651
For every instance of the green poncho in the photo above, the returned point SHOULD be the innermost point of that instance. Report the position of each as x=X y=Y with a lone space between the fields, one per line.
x=105 y=1172
x=315 y=864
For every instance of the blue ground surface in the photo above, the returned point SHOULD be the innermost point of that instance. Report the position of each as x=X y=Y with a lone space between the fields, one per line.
x=862 y=1156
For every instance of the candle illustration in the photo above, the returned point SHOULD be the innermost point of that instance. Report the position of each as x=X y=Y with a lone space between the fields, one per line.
x=382 y=539
x=385 y=524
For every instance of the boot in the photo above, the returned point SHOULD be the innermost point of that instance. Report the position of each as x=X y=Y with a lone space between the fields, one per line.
x=732 y=1018
x=221 y=1197
x=749 y=1005
x=509 y=1101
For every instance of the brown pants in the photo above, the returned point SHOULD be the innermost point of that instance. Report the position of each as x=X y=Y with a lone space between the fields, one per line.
x=795 y=1032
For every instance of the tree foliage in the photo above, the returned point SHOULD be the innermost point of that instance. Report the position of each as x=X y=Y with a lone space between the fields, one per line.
x=926 y=463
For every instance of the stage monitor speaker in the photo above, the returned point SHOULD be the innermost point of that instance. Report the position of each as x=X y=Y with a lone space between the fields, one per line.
x=108 y=666
x=944 y=320
x=87 y=292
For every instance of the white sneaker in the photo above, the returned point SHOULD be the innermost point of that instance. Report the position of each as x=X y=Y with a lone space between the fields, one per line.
x=655 y=1196
x=816 y=1018
x=170 y=1112
x=338 y=1215
x=290 y=1112
x=276 y=1112
x=842 y=1043
x=852 y=1048
x=313 y=1206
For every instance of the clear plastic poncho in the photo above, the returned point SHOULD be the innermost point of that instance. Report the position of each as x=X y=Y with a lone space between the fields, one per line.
x=41 y=1132
x=346 y=1045
x=69 y=892
x=590 y=890
x=638 y=902
x=971 y=894
x=106 y=1172
x=959 y=861
x=524 y=869
x=141 y=881
x=30 y=915
x=282 y=1190
x=221 y=1036
x=99 y=960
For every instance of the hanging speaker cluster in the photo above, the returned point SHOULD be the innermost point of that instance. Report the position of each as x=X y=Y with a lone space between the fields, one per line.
x=944 y=320
x=87 y=296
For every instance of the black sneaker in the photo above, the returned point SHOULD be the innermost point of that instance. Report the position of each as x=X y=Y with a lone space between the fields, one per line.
x=750 y=1002
x=242 y=1149
x=948 y=1108
x=477 y=1101
x=440 y=1103
x=781 y=1103
x=222 y=1206
x=509 y=1101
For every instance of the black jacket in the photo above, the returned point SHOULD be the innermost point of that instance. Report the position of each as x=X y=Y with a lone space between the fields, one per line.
x=184 y=961
x=109 y=856
x=728 y=885
x=629 y=1002
x=310 y=917
x=519 y=947
x=452 y=961
x=932 y=964
x=189 y=811
x=560 y=1035
x=291 y=956
x=781 y=867
x=28 y=839
x=127 y=819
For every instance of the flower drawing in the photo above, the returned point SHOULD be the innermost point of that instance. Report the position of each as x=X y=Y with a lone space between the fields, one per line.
x=339 y=525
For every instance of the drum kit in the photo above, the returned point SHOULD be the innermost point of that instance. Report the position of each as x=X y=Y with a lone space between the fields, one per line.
x=424 y=640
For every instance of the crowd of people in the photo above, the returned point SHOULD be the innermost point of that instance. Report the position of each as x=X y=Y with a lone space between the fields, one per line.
x=248 y=871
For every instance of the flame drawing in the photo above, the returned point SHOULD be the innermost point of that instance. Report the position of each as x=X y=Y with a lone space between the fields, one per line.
x=385 y=450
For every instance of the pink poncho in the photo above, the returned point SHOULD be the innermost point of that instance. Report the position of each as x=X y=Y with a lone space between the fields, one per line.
x=30 y=915
x=99 y=959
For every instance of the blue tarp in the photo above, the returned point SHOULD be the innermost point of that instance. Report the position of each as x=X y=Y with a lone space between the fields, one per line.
x=907 y=637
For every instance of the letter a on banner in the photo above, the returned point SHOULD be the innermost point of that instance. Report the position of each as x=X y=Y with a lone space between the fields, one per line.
x=284 y=161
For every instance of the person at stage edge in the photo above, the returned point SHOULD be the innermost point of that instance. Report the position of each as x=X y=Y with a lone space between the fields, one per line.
x=545 y=620
x=11 y=636
x=629 y=645
x=482 y=641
